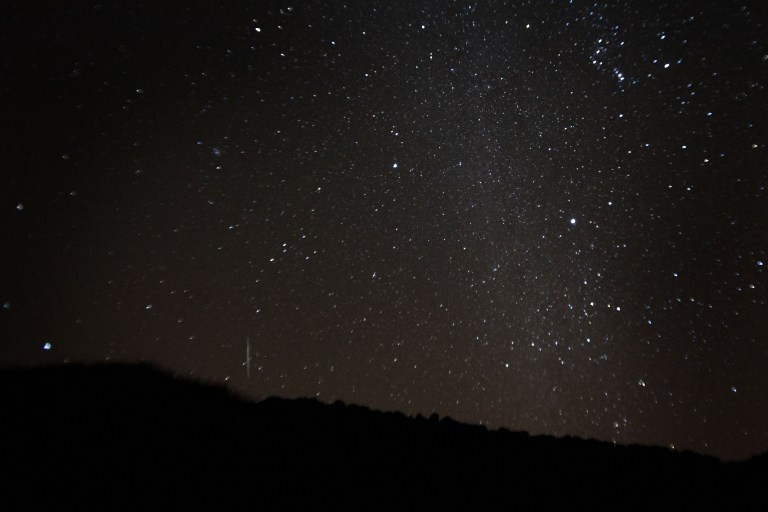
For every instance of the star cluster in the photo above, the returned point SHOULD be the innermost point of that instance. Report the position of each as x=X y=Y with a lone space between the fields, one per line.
x=544 y=216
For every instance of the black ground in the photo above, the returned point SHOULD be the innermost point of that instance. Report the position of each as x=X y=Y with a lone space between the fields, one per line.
x=132 y=437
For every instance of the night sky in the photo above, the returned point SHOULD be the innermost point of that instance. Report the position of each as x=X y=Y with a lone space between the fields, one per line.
x=548 y=216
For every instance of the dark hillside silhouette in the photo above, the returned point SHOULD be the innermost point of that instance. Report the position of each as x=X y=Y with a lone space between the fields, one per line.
x=133 y=437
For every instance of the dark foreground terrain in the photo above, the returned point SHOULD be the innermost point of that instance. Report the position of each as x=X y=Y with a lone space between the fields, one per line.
x=125 y=437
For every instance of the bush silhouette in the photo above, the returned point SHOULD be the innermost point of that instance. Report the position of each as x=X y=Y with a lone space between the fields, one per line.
x=133 y=436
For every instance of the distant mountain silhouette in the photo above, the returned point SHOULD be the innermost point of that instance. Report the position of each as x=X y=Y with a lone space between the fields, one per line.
x=131 y=437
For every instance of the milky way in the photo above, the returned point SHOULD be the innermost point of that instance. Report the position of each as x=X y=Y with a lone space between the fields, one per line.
x=544 y=216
